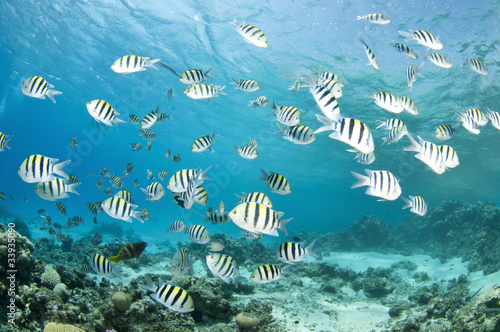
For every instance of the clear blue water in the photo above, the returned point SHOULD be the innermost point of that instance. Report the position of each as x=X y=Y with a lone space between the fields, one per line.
x=73 y=43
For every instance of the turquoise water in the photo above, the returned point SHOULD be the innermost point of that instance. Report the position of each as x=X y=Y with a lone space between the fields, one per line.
x=73 y=44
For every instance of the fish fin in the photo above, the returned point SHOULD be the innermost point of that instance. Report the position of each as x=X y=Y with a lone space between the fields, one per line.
x=207 y=73
x=408 y=203
x=328 y=124
x=408 y=35
x=414 y=145
x=58 y=169
x=264 y=175
x=283 y=224
x=308 y=250
x=150 y=63
x=71 y=188
x=363 y=180
x=51 y=93
x=282 y=129
x=150 y=286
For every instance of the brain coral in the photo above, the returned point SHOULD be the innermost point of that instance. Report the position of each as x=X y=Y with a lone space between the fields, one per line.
x=50 y=277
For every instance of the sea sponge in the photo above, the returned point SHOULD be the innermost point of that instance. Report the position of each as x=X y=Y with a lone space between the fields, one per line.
x=121 y=301
x=62 y=291
x=53 y=327
x=244 y=320
x=50 y=278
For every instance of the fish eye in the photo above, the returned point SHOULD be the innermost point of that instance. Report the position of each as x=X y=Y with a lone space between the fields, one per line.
x=234 y=212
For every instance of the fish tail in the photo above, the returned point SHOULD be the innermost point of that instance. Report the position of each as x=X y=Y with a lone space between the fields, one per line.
x=414 y=144
x=114 y=259
x=71 y=188
x=51 y=93
x=264 y=175
x=149 y=285
x=58 y=169
x=207 y=73
x=283 y=224
x=362 y=180
x=328 y=124
x=308 y=249
x=407 y=35
x=282 y=129
x=408 y=203
x=150 y=63
x=219 y=89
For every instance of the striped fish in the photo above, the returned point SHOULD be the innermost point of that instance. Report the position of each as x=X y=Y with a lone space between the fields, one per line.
x=200 y=197
x=61 y=208
x=149 y=136
x=176 y=227
x=181 y=264
x=276 y=182
x=251 y=34
x=363 y=158
x=417 y=204
x=246 y=85
x=450 y=156
x=96 y=240
x=267 y=273
x=334 y=87
x=92 y=208
x=4 y=141
x=478 y=66
x=256 y=197
x=429 y=153
x=406 y=50
x=55 y=189
x=381 y=184
x=193 y=76
x=369 y=53
x=98 y=205
x=325 y=99
x=217 y=217
x=129 y=251
x=394 y=135
x=222 y=266
x=134 y=119
x=203 y=143
x=301 y=135
x=391 y=123
x=104 y=267
x=292 y=252
x=408 y=105
x=252 y=236
x=120 y=209
x=136 y=147
x=38 y=87
x=149 y=119
x=258 y=218
x=252 y=144
x=102 y=112
x=469 y=123
x=180 y=180
x=162 y=175
x=423 y=38
x=287 y=115
x=146 y=214
x=439 y=60
x=172 y=297
x=374 y=18
x=331 y=77
x=247 y=152
x=411 y=73
x=198 y=233
x=479 y=117
x=387 y=101
x=259 y=102
x=125 y=195
x=116 y=181
x=350 y=131
x=494 y=117
x=444 y=132
x=154 y=191
x=38 y=168
x=203 y=91
x=72 y=179
x=162 y=117
x=132 y=63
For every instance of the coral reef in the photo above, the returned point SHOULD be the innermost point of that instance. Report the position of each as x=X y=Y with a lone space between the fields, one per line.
x=53 y=327
x=121 y=301
x=50 y=278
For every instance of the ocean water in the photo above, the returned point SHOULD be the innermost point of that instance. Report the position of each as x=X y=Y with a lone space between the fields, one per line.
x=73 y=44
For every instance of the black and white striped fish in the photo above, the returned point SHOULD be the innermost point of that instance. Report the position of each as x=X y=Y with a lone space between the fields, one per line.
x=406 y=50
x=287 y=115
x=134 y=119
x=325 y=99
x=55 y=189
x=469 y=123
x=363 y=158
x=116 y=181
x=222 y=266
x=98 y=205
x=259 y=102
x=494 y=118
x=369 y=53
x=276 y=182
x=423 y=38
x=417 y=204
x=125 y=195
x=247 y=152
x=350 y=131
x=450 y=156
x=479 y=117
x=149 y=119
x=179 y=181
x=439 y=60
x=298 y=134
x=181 y=264
x=38 y=168
x=172 y=297
x=4 y=141
x=381 y=184
x=148 y=135
x=132 y=63
x=428 y=152
x=102 y=112
x=38 y=87
x=154 y=191
x=391 y=123
x=61 y=208
x=104 y=267
x=198 y=233
x=200 y=196
x=444 y=132
x=331 y=77
x=394 y=135
x=217 y=217
x=478 y=66
x=72 y=179
x=412 y=72
x=387 y=101
x=374 y=18
x=193 y=76
x=92 y=208
x=293 y=252
x=334 y=87
x=258 y=218
x=162 y=117
x=255 y=197
x=162 y=175
x=203 y=91
x=408 y=105
x=246 y=85
x=203 y=143
x=252 y=35
x=267 y=273
x=176 y=227
x=120 y=209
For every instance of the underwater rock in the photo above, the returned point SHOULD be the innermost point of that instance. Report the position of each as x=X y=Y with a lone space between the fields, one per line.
x=246 y=321
x=121 y=301
x=24 y=261
x=50 y=278
x=261 y=309
x=53 y=327
x=61 y=290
